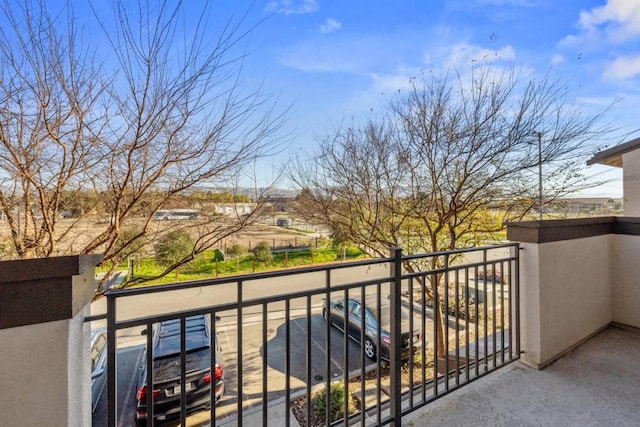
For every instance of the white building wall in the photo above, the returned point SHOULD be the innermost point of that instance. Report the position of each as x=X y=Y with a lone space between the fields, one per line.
x=626 y=280
x=631 y=183
x=566 y=295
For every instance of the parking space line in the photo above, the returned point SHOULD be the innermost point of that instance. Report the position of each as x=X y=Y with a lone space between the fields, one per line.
x=337 y=365
x=130 y=387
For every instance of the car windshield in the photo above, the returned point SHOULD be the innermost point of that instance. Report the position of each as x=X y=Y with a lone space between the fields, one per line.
x=168 y=368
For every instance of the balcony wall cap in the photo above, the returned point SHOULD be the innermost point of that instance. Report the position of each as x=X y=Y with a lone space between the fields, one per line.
x=43 y=290
x=568 y=229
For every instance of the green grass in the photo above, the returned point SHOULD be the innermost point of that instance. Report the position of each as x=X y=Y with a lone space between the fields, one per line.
x=205 y=266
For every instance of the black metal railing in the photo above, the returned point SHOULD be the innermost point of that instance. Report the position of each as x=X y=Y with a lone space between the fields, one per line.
x=431 y=324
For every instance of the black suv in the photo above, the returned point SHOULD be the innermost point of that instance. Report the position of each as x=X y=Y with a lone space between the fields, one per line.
x=166 y=370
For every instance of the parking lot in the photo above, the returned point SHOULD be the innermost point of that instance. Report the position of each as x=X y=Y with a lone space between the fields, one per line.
x=131 y=350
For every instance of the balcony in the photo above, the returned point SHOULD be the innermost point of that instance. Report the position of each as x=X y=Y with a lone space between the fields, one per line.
x=596 y=384
x=567 y=302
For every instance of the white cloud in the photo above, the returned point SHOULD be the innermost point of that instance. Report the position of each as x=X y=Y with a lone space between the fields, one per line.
x=623 y=68
x=557 y=59
x=292 y=7
x=330 y=25
x=619 y=20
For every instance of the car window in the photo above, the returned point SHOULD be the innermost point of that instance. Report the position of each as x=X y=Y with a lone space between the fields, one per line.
x=96 y=350
x=369 y=318
x=168 y=368
x=354 y=308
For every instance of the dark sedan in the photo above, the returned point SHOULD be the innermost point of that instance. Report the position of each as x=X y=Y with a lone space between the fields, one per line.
x=374 y=320
x=166 y=394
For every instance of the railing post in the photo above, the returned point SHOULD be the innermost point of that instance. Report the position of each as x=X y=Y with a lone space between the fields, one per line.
x=396 y=336
x=111 y=361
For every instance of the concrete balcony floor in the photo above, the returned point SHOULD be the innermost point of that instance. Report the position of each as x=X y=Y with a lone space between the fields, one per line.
x=597 y=384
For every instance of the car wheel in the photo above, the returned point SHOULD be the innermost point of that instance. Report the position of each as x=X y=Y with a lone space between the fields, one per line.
x=369 y=349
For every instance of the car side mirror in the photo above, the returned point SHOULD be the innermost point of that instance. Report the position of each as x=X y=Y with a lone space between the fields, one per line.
x=218 y=318
x=95 y=374
x=144 y=332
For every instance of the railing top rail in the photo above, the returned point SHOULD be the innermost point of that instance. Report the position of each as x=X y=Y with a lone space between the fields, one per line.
x=459 y=251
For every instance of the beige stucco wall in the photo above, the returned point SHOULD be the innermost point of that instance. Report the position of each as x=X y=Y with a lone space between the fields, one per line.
x=631 y=183
x=565 y=295
x=46 y=374
x=626 y=280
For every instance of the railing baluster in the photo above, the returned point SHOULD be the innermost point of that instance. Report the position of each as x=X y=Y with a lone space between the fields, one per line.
x=446 y=322
x=150 y=383
x=362 y=362
x=395 y=356
x=328 y=341
x=213 y=333
x=308 y=359
x=183 y=370
x=378 y=363
x=467 y=354
x=265 y=358
x=111 y=361
x=239 y=346
x=287 y=360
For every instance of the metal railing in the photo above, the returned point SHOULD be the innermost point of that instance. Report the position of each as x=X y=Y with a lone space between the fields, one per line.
x=281 y=353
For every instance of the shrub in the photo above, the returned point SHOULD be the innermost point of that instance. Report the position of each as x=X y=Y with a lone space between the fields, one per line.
x=236 y=250
x=493 y=276
x=217 y=255
x=173 y=246
x=262 y=252
x=336 y=394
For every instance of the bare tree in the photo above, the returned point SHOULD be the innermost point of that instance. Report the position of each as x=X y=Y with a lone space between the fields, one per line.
x=163 y=112
x=50 y=118
x=452 y=160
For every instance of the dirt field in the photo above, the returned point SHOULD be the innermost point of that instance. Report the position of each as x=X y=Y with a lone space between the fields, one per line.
x=82 y=231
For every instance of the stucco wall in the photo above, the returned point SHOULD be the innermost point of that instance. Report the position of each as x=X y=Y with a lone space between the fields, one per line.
x=565 y=295
x=631 y=183
x=626 y=280
x=45 y=371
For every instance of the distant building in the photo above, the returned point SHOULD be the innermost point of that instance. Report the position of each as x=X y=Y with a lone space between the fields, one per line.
x=627 y=157
x=585 y=205
x=235 y=209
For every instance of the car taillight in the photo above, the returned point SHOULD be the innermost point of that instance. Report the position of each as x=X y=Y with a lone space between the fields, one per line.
x=142 y=393
x=217 y=373
x=387 y=340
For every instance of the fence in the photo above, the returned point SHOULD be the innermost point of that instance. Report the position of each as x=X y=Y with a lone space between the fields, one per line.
x=416 y=327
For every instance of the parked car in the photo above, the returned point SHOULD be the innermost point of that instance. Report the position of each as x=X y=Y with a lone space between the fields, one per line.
x=167 y=370
x=411 y=340
x=98 y=364
x=282 y=222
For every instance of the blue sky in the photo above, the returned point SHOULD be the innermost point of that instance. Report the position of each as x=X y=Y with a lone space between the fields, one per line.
x=334 y=60
x=337 y=59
